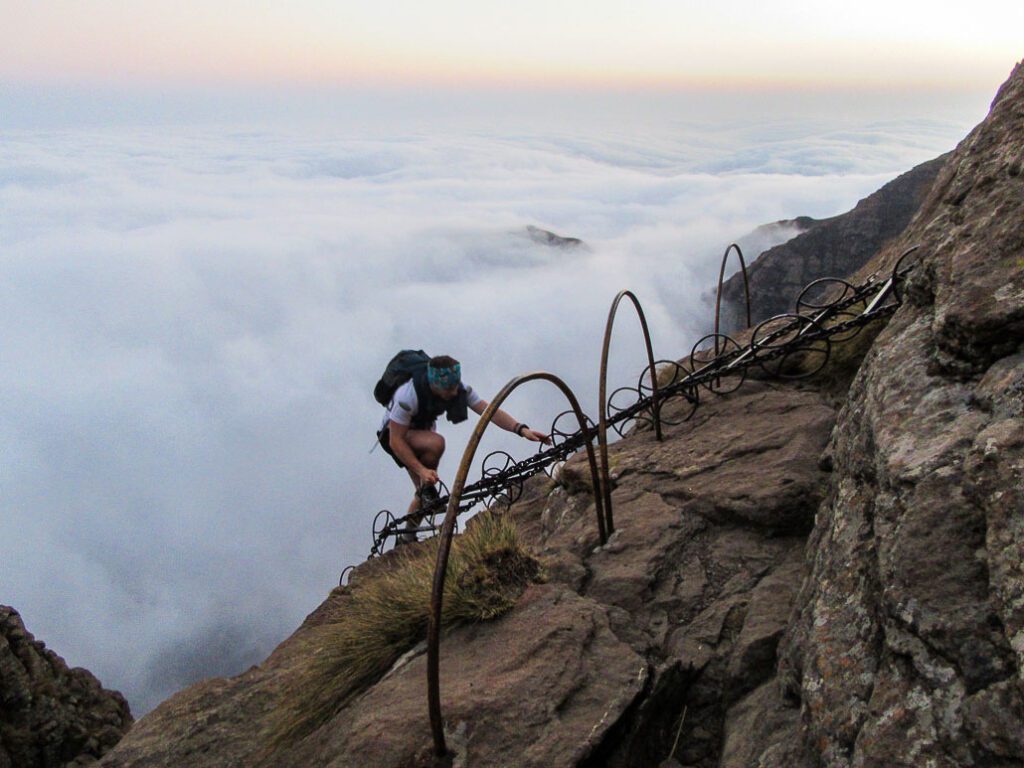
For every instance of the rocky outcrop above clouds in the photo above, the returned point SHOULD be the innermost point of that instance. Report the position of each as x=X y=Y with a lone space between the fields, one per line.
x=907 y=645
x=548 y=238
x=51 y=716
x=792 y=583
x=834 y=247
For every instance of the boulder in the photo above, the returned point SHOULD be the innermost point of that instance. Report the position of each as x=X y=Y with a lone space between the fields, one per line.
x=50 y=715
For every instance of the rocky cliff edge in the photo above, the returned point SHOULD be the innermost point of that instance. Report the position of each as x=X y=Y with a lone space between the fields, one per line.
x=51 y=716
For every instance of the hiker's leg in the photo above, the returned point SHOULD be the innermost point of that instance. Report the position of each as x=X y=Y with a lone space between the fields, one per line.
x=428 y=447
x=414 y=505
x=412 y=518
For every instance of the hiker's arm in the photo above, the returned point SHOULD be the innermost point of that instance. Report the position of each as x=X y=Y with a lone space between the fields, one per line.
x=508 y=423
x=406 y=454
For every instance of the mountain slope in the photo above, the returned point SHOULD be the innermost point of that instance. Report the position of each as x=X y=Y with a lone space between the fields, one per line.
x=789 y=585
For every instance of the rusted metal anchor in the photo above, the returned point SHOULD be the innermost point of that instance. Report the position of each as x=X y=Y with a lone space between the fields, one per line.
x=448 y=530
x=721 y=281
x=602 y=424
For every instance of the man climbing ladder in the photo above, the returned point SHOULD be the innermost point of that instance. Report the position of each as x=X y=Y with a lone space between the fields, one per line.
x=416 y=389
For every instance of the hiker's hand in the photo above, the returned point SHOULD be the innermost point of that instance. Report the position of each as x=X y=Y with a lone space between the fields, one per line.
x=428 y=476
x=537 y=437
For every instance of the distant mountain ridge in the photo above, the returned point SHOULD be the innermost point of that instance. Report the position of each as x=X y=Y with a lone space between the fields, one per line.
x=833 y=247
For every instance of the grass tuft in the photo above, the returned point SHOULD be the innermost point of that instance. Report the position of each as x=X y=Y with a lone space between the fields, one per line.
x=386 y=615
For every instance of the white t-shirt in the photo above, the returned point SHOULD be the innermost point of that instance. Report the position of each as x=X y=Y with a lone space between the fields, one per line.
x=405 y=405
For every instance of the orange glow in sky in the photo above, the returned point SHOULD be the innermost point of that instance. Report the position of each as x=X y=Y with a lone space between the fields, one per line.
x=530 y=43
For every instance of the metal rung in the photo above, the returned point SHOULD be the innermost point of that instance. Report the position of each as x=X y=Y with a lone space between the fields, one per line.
x=402 y=531
x=882 y=294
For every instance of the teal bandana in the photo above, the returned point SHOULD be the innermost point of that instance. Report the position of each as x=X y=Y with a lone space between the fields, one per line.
x=444 y=378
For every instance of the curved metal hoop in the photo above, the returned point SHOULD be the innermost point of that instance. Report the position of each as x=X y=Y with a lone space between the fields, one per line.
x=898 y=269
x=381 y=527
x=790 y=346
x=823 y=293
x=602 y=424
x=448 y=529
x=557 y=432
x=690 y=394
x=725 y=383
x=617 y=404
x=827 y=301
x=345 y=574
x=559 y=437
x=899 y=272
x=494 y=464
x=721 y=280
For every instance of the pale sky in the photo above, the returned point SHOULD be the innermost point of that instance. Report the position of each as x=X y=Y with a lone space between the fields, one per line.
x=558 y=43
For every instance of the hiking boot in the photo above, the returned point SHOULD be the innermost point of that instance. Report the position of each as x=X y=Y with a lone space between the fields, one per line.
x=428 y=495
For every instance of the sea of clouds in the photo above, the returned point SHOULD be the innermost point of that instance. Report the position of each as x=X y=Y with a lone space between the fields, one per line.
x=194 y=316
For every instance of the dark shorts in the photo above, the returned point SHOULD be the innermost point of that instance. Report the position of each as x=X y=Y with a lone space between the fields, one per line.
x=384 y=438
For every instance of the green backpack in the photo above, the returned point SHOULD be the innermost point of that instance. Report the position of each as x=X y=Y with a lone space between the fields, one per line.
x=400 y=369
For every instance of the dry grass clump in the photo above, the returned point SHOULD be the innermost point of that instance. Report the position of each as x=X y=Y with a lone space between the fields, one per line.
x=669 y=373
x=386 y=615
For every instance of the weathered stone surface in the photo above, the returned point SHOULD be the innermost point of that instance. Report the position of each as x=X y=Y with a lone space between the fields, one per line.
x=51 y=715
x=750 y=459
x=762 y=730
x=705 y=562
x=215 y=722
x=546 y=683
x=543 y=684
x=834 y=247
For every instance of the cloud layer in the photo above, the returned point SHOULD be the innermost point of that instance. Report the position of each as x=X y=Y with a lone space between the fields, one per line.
x=192 y=328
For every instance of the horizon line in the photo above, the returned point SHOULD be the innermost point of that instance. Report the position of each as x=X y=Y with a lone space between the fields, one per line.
x=620 y=84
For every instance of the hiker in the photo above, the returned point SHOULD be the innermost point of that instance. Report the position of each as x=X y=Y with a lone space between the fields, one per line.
x=408 y=431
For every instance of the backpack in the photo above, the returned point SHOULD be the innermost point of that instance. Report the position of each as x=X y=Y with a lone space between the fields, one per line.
x=399 y=370
x=412 y=364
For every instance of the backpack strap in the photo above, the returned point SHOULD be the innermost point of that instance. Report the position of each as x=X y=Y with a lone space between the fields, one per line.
x=458 y=407
x=431 y=406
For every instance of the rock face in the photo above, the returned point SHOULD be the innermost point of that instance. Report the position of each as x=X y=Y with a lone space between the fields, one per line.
x=907 y=646
x=702 y=572
x=789 y=585
x=51 y=716
x=834 y=247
